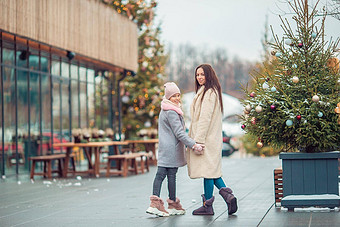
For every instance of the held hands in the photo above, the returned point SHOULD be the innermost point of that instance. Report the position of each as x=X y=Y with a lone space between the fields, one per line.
x=198 y=149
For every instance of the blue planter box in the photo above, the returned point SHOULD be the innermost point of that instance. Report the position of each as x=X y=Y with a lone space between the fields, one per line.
x=310 y=179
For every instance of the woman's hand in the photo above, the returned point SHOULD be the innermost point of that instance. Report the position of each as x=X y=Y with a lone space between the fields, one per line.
x=198 y=149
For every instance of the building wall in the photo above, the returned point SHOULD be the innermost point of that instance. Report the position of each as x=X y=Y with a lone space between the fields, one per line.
x=86 y=27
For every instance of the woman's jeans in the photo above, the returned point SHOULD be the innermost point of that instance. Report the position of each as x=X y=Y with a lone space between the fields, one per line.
x=163 y=172
x=209 y=186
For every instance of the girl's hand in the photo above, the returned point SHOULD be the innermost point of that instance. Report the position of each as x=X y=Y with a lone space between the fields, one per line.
x=198 y=149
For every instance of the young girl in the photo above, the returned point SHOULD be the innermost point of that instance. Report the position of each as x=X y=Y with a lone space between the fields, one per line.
x=172 y=138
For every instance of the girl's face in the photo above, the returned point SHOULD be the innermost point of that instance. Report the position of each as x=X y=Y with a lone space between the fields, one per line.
x=200 y=77
x=176 y=98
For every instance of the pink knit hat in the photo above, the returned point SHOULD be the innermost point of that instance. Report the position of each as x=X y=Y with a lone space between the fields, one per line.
x=171 y=89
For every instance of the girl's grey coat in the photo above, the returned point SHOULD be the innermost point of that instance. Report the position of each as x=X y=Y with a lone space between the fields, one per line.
x=172 y=138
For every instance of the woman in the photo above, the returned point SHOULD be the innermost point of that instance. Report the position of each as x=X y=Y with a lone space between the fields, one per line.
x=206 y=128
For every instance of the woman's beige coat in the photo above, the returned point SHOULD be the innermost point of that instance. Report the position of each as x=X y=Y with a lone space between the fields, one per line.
x=206 y=128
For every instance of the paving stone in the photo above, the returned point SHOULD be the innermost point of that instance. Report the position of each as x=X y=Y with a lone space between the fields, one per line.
x=118 y=201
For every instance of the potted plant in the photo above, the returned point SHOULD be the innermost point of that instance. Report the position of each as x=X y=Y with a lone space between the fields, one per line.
x=295 y=108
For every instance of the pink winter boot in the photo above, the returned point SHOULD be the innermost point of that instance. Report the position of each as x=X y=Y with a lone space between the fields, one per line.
x=175 y=208
x=157 y=207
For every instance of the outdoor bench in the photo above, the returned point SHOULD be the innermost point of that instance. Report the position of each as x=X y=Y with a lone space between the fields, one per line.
x=47 y=160
x=278 y=188
x=128 y=162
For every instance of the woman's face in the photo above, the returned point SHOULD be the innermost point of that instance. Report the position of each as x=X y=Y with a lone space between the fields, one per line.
x=200 y=77
x=176 y=98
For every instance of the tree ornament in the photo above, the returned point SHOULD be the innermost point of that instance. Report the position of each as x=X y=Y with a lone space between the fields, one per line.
x=273 y=52
x=253 y=120
x=315 y=98
x=152 y=43
x=320 y=114
x=259 y=144
x=295 y=79
x=288 y=42
x=314 y=35
x=125 y=99
x=333 y=64
x=289 y=123
x=294 y=66
x=248 y=108
x=272 y=107
x=147 y=40
x=252 y=94
x=258 y=109
x=147 y=124
x=273 y=89
x=243 y=126
x=246 y=112
x=300 y=45
x=265 y=85
x=131 y=109
x=288 y=72
x=298 y=117
x=278 y=54
x=337 y=109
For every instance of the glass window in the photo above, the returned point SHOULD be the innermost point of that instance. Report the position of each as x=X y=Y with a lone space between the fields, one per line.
x=83 y=109
x=46 y=106
x=44 y=64
x=75 y=104
x=90 y=76
x=98 y=101
x=22 y=57
x=8 y=56
x=34 y=62
x=74 y=72
x=65 y=108
x=23 y=121
x=82 y=73
x=65 y=69
x=56 y=106
x=35 y=103
x=9 y=102
x=90 y=103
x=9 y=117
x=55 y=68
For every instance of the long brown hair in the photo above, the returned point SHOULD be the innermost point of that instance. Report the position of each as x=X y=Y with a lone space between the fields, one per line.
x=211 y=81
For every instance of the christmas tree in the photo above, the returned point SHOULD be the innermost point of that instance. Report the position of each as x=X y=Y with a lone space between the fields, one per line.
x=142 y=93
x=295 y=107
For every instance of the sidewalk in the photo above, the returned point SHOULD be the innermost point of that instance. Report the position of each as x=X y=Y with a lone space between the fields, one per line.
x=118 y=201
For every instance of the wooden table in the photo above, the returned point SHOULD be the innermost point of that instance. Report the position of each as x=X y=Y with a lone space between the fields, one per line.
x=149 y=144
x=95 y=146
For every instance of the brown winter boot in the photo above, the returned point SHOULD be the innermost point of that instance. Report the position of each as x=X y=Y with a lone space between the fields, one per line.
x=175 y=208
x=230 y=199
x=157 y=207
x=207 y=208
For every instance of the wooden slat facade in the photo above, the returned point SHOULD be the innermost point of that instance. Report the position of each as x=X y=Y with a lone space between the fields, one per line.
x=86 y=27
